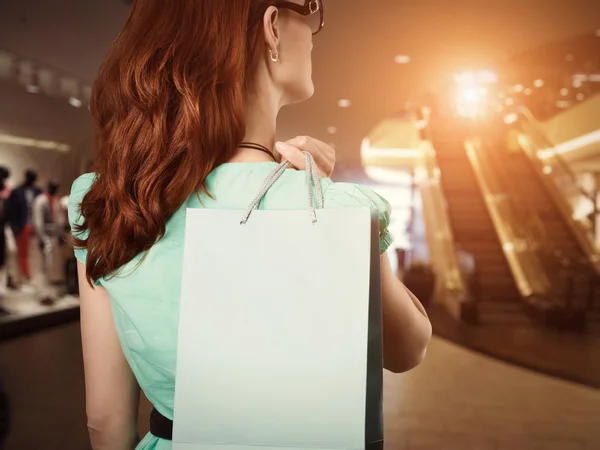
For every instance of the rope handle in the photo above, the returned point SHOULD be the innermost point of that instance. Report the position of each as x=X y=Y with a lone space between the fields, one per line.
x=312 y=178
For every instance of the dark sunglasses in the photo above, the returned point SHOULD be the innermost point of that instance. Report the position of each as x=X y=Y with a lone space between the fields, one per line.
x=312 y=10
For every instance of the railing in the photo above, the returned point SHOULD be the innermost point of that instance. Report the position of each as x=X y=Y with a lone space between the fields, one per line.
x=561 y=183
x=451 y=287
x=517 y=242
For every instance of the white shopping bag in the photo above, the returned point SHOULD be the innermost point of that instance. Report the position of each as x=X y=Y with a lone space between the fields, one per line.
x=280 y=329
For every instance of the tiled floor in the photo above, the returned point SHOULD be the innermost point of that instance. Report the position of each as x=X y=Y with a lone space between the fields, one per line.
x=456 y=400
x=465 y=401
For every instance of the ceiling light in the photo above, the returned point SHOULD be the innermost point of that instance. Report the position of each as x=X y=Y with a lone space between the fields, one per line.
x=577 y=83
x=73 y=101
x=34 y=143
x=344 y=103
x=32 y=89
x=331 y=130
x=547 y=170
x=518 y=88
x=564 y=92
x=402 y=59
x=538 y=83
x=527 y=91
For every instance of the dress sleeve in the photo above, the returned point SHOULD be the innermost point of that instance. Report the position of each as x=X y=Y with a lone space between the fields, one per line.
x=78 y=190
x=340 y=195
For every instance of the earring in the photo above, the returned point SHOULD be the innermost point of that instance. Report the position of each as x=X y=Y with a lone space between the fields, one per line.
x=274 y=58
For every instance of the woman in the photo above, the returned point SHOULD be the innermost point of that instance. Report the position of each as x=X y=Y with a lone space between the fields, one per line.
x=186 y=100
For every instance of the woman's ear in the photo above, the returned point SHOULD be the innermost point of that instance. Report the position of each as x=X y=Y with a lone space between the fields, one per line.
x=270 y=31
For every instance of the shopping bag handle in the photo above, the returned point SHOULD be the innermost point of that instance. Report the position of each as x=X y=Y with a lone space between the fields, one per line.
x=312 y=178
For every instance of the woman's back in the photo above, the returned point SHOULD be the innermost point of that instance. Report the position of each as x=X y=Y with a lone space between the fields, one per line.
x=145 y=297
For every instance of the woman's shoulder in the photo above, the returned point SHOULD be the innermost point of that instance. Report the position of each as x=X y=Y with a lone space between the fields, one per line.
x=83 y=183
x=78 y=190
x=345 y=195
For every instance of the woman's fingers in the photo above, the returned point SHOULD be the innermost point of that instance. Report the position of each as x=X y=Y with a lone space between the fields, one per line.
x=323 y=154
x=291 y=154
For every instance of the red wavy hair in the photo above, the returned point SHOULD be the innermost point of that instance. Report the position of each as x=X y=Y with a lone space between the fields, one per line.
x=168 y=107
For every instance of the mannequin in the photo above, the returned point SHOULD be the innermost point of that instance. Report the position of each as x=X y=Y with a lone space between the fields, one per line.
x=21 y=203
x=4 y=215
x=49 y=227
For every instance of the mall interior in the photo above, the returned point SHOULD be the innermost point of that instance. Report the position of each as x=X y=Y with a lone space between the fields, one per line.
x=479 y=122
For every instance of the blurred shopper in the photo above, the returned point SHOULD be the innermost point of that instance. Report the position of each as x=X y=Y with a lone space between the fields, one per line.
x=48 y=225
x=185 y=105
x=468 y=269
x=4 y=196
x=21 y=204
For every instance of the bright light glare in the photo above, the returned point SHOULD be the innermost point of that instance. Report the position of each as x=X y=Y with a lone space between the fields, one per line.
x=471 y=95
x=464 y=79
x=471 y=101
x=487 y=77
x=344 y=103
x=538 y=83
x=479 y=77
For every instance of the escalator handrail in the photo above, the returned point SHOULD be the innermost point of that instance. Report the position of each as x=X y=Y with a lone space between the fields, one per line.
x=453 y=281
x=526 y=112
x=528 y=226
x=584 y=233
x=525 y=266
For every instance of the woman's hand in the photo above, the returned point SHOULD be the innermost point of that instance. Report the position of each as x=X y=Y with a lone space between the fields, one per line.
x=322 y=153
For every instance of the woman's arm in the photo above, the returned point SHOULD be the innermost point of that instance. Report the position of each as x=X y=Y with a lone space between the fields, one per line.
x=111 y=390
x=406 y=327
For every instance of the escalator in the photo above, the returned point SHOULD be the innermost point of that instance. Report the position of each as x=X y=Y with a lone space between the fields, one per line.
x=496 y=293
x=563 y=258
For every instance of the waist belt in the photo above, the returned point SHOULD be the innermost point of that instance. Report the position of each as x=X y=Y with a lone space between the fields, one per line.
x=160 y=426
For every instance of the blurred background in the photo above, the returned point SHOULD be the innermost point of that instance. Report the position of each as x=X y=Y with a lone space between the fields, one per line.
x=479 y=121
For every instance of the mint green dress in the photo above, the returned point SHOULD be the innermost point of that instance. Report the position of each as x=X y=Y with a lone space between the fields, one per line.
x=145 y=301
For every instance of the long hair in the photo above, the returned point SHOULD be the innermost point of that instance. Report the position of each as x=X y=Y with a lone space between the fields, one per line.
x=168 y=107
